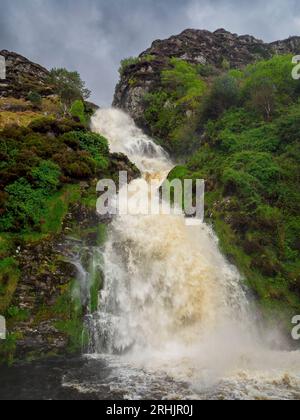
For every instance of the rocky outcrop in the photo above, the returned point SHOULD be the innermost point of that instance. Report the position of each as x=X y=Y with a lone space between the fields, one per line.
x=195 y=46
x=22 y=77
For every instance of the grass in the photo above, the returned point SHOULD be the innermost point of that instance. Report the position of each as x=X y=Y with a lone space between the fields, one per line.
x=89 y=198
x=9 y=277
x=8 y=348
x=57 y=209
x=19 y=118
x=68 y=308
x=274 y=297
x=5 y=245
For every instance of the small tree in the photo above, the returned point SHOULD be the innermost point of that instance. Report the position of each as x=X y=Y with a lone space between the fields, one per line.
x=263 y=99
x=35 y=98
x=69 y=86
x=225 y=93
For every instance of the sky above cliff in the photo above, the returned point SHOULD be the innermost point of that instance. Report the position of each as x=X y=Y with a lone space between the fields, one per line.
x=92 y=36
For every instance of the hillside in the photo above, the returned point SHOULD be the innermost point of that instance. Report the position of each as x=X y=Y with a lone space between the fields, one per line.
x=50 y=164
x=227 y=108
x=209 y=50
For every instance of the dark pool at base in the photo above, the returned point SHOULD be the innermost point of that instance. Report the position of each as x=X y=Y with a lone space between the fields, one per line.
x=43 y=380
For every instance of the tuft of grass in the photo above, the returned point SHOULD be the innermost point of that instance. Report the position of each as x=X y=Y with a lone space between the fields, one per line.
x=8 y=348
x=57 y=208
x=22 y=119
x=9 y=277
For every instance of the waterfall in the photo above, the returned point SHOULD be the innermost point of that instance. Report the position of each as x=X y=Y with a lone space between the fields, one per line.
x=170 y=299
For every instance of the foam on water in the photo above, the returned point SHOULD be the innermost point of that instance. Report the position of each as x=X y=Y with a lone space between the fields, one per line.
x=172 y=305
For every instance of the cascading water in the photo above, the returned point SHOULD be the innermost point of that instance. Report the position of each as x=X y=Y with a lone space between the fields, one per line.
x=171 y=303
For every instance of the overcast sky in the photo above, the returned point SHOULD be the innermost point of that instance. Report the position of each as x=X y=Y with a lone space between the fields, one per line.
x=92 y=36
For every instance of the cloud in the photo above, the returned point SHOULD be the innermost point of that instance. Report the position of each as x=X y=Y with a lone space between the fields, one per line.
x=92 y=36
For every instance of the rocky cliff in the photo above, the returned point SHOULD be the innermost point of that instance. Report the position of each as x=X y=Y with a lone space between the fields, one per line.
x=22 y=77
x=218 y=49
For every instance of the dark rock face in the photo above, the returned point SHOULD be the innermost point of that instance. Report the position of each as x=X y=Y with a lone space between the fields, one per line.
x=47 y=269
x=195 y=46
x=120 y=162
x=22 y=77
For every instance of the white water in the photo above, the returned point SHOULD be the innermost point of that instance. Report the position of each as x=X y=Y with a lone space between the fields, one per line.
x=172 y=306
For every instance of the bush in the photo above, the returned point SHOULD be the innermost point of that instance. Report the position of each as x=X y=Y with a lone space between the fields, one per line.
x=46 y=176
x=49 y=125
x=24 y=206
x=184 y=82
x=276 y=73
x=224 y=94
x=93 y=143
x=35 y=98
x=36 y=161
x=161 y=115
x=206 y=70
x=78 y=111
x=127 y=62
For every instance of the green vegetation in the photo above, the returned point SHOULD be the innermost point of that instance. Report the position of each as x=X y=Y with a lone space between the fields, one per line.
x=41 y=168
x=171 y=111
x=34 y=171
x=35 y=98
x=250 y=159
x=183 y=83
x=48 y=171
x=9 y=277
x=68 y=307
x=68 y=85
x=78 y=111
x=8 y=348
x=131 y=61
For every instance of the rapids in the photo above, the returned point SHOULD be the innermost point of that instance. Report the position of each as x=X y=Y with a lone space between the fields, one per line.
x=174 y=315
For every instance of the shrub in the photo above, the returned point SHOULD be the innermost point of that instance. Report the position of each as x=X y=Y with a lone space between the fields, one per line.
x=242 y=184
x=288 y=126
x=161 y=114
x=93 y=143
x=206 y=70
x=78 y=111
x=276 y=73
x=49 y=125
x=46 y=176
x=263 y=99
x=224 y=94
x=127 y=62
x=24 y=206
x=35 y=98
x=184 y=82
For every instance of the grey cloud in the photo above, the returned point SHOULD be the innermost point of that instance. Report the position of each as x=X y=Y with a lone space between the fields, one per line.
x=92 y=36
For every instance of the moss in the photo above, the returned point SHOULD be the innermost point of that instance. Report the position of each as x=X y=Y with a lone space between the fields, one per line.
x=6 y=245
x=15 y=314
x=70 y=311
x=57 y=209
x=96 y=283
x=101 y=234
x=9 y=277
x=8 y=348
x=89 y=197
